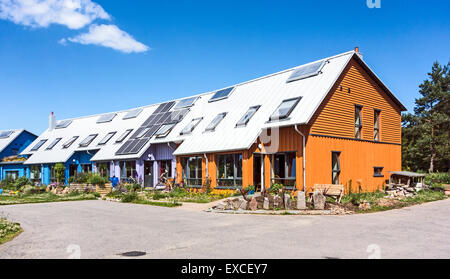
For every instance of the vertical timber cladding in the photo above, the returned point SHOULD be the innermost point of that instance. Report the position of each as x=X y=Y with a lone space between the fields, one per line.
x=335 y=118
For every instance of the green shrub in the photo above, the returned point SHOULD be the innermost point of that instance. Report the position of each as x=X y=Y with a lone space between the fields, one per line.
x=437 y=179
x=275 y=188
x=97 y=180
x=60 y=172
x=158 y=195
x=80 y=178
x=129 y=197
x=250 y=188
x=22 y=181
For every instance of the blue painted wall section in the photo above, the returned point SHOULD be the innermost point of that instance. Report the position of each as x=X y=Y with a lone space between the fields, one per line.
x=14 y=148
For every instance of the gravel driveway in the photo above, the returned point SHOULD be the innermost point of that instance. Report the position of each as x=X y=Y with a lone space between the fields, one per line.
x=100 y=229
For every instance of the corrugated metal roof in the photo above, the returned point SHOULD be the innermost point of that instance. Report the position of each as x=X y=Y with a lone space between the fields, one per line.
x=268 y=92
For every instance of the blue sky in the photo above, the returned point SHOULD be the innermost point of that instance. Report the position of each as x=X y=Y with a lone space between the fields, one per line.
x=171 y=49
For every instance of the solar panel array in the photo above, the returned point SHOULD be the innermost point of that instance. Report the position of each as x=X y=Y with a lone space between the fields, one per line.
x=161 y=116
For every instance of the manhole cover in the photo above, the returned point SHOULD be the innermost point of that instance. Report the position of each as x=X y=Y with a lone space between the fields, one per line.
x=133 y=254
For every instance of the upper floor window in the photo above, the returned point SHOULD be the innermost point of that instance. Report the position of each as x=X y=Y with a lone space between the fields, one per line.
x=70 y=142
x=221 y=94
x=358 y=121
x=88 y=140
x=378 y=171
x=191 y=126
x=106 y=138
x=124 y=136
x=376 y=125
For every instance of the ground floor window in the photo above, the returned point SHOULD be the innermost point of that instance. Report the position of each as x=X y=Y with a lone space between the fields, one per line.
x=11 y=175
x=51 y=170
x=229 y=170
x=284 y=169
x=103 y=169
x=165 y=168
x=73 y=170
x=192 y=171
x=378 y=171
x=128 y=170
x=335 y=167
x=86 y=168
x=35 y=173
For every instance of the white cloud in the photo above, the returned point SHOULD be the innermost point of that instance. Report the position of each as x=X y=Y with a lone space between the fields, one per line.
x=74 y=14
x=108 y=36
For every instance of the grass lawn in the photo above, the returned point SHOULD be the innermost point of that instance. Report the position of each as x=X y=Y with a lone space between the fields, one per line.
x=44 y=197
x=8 y=230
x=379 y=202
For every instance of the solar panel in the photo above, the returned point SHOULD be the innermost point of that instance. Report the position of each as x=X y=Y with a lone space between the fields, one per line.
x=138 y=146
x=164 y=107
x=5 y=134
x=38 y=145
x=63 y=124
x=306 y=71
x=221 y=94
x=106 y=118
x=132 y=114
x=186 y=103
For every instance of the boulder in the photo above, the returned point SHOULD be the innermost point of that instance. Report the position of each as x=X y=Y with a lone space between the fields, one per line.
x=277 y=201
x=319 y=201
x=253 y=205
x=243 y=205
x=236 y=203
x=220 y=206
x=301 y=200
x=287 y=201
x=266 y=204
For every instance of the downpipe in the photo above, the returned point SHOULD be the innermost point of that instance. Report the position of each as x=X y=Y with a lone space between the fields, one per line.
x=303 y=155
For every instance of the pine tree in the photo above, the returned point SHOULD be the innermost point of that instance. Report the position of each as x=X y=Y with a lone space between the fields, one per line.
x=426 y=132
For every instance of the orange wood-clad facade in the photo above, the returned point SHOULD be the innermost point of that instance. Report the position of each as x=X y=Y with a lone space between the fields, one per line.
x=332 y=129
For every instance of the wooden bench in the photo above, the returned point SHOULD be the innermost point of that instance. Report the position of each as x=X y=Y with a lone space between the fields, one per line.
x=333 y=190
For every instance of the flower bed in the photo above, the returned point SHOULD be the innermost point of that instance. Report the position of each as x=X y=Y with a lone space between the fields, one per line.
x=8 y=230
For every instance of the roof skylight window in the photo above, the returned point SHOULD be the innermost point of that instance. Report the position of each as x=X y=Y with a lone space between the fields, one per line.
x=164 y=130
x=88 y=140
x=55 y=142
x=142 y=133
x=70 y=142
x=38 y=145
x=191 y=126
x=106 y=138
x=132 y=114
x=5 y=134
x=285 y=109
x=63 y=124
x=247 y=116
x=189 y=102
x=124 y=136
x=106 y=118
x=212 y=126
x=306 y=71
x=221 y=94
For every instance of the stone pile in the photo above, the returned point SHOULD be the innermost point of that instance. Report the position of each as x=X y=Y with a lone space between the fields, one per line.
x=266 y=203
x=400 y=191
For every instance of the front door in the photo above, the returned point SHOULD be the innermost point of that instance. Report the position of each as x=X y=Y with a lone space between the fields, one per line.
x=148 y=174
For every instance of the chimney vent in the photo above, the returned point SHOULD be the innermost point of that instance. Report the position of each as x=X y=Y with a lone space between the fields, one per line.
x=51 y=122
x=357 y=49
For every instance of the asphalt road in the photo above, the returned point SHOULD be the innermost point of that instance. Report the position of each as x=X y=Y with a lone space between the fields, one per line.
x=100 y=229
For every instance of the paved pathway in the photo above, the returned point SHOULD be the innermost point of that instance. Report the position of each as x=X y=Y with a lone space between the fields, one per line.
x=105 y=229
